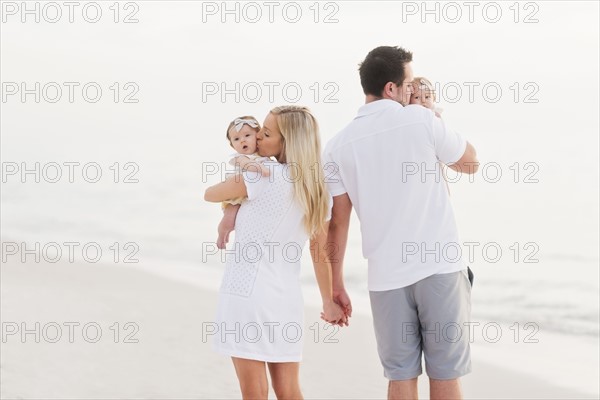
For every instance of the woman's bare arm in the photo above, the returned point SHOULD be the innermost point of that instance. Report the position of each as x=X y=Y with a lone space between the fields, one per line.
x=233 y=187
x=332 y=312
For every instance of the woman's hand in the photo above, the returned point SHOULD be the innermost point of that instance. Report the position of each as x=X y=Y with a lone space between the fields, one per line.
x=334 y=314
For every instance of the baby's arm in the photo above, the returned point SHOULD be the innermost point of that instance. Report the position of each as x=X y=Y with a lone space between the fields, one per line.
x=247 y=164
x=227 y=224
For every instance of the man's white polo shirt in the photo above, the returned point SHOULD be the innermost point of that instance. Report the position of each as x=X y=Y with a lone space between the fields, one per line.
x=386 y=159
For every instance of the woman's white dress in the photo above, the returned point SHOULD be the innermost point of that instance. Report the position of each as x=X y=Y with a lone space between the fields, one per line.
x=260 y=312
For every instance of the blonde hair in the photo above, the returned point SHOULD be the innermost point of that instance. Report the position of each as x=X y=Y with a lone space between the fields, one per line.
x=302 y=151
x=421 y=83
x=231 y=124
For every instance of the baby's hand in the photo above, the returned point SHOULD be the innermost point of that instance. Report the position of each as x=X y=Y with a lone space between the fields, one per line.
x=248 y=164
x=238 y=160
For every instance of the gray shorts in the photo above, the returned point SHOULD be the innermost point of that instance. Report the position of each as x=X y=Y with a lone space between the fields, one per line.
x=426 y=317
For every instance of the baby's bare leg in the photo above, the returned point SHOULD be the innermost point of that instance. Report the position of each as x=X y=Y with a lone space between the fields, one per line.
x=227 y=224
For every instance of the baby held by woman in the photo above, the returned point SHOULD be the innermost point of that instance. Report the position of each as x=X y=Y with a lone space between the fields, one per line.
x=241 y=134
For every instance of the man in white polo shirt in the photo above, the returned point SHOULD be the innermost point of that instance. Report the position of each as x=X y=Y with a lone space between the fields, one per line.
x=385 y=164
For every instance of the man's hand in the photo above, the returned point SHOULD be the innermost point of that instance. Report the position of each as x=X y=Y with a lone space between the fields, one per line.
x=340 y=296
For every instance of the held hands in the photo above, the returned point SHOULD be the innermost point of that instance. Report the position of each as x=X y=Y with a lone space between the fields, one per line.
x=333 y=313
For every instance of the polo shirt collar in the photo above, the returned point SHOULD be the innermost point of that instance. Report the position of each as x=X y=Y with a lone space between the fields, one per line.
x=376 y=106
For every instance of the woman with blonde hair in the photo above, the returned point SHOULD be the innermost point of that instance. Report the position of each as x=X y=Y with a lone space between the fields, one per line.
x=260 y=316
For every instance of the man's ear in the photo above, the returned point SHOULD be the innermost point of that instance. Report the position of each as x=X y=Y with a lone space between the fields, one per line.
x=388 y=90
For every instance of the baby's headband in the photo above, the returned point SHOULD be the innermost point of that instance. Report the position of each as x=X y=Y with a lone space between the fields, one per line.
x=424 y=84
x=238 y=123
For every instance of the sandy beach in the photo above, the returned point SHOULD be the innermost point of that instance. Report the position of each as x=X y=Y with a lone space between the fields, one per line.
x=161 y=352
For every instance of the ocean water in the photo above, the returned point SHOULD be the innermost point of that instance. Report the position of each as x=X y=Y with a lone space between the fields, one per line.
x=541 y=212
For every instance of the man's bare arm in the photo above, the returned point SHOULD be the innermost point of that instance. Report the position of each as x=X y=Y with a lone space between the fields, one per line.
x=468 y=163
x=338 y=237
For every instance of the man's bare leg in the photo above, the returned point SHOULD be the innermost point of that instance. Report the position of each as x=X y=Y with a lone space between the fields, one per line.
x=401 y=390
x=446 y=389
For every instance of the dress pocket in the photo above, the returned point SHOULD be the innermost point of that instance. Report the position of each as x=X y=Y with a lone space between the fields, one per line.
x=239 y=279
